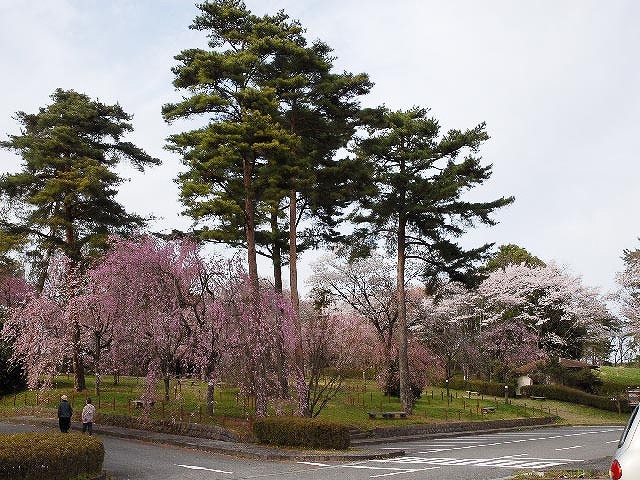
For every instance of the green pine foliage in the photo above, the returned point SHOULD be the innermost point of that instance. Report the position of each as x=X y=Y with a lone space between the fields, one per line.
x=274 y=117
x=417 y=203
x=63 y=198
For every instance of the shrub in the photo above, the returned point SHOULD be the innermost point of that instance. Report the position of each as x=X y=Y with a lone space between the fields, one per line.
x=572 y=395
x=11 y=376
x=492 y=389
x=54 y=456
x=583 y=379
x=304 y=432
x=615 y=387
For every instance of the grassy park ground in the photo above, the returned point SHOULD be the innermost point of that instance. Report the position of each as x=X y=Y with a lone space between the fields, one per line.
x=350 y=406
x=627 y=376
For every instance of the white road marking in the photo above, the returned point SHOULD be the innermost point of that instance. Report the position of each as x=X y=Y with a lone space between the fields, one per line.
x=613 y=441
x=195 y=467
x=506 y=442
x=391 y=470
x=569 y=448
x=315 y=464
x=508 y=461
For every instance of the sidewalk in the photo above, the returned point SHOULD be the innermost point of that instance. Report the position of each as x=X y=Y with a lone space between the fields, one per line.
x=243 y=450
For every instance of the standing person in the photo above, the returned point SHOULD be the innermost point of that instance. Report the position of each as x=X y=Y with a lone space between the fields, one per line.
x=64 y=414
x=88 y=412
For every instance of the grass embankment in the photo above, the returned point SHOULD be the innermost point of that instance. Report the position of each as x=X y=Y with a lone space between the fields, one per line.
x=624 y=376
x=349 y=407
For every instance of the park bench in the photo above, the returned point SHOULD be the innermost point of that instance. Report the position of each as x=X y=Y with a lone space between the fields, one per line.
x=489 y=409
x=387 y=415
x=533 y=397
x=137 y=403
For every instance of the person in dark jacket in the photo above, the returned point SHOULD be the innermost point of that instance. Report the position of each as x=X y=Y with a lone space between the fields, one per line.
x=64 y=414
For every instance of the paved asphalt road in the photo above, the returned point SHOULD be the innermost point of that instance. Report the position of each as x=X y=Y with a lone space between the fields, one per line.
x=477 y=457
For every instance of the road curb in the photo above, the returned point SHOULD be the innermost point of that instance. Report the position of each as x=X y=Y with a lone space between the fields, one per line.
x=241 y=450
x=430 y=436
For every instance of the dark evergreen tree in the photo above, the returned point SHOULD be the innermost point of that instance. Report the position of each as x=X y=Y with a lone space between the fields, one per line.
x=63 y=198
x=418 y=206
x=511 y=255
x=237 y=162
x=240 y=194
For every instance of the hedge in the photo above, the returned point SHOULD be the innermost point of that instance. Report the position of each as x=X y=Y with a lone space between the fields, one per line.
x=613 y=387
x=572 y=395
x=492 y=389
x=301 y=432
x=51 y=456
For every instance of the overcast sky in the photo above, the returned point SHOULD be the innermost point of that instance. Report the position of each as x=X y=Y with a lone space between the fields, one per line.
x=555 y=81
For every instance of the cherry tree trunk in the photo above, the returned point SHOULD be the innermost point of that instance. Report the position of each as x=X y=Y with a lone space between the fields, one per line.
x=210 y=397
x=167 y=387
x=78 y=365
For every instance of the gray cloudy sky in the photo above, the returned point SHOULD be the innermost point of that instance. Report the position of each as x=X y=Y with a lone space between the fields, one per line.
x=556 y=82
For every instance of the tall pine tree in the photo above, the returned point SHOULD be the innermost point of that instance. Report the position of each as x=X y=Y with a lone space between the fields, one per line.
x=237 y=163
x=418 y=206
x=63 y=198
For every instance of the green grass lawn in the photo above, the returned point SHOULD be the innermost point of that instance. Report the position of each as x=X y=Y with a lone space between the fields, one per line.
x=629 y=376
x=350 y=406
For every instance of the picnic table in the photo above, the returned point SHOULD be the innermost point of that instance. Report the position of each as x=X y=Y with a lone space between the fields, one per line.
x=138 y=403
x=387 y=415
x=470 y=392
x=489 y=409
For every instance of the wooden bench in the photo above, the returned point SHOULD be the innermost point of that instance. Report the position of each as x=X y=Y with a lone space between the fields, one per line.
x=141 y=403
x=387 y=415
x=489 y=409
x=533 y=397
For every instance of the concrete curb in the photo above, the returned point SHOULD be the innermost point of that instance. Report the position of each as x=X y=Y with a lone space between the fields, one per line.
x=242 y=450
x=430 y=436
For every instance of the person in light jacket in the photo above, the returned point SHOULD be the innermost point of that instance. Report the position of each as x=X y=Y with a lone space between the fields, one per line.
x=65 y=411
x=88 y=413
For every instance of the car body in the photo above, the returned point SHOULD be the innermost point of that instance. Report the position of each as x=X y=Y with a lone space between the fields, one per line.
x=626 y=461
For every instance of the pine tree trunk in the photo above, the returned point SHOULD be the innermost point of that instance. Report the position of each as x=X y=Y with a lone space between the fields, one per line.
x=277 y=254
x=293 y=254
x=250 y=224
x=406 y=395
x=303 y=397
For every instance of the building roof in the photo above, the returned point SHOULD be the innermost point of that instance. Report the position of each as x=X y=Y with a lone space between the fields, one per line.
x=564 y=362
